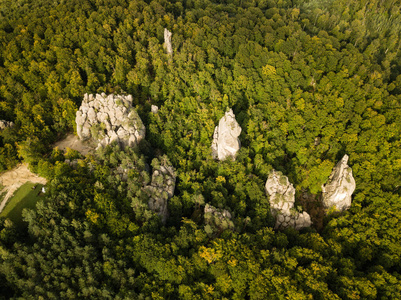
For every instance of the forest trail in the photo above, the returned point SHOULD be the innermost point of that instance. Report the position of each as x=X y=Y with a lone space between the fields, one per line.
x=73 y=142
x=13 y=179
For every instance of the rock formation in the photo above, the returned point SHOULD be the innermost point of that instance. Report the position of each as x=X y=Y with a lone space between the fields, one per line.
x=5 y=124
x=282 y=198
x=161 y=188
x=218 y=219
x=109 y=118
x=225 y=138
x=167 y=41
x=154 y=109
x=340 y=186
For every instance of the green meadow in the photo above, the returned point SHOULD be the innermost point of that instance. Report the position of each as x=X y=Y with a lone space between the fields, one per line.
x=25 y=197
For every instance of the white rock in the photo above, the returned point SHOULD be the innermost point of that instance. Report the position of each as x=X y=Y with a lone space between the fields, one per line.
x=154 y=109
x=225 y=138
x=167 y=41
x=109 y=113
x=282 y=198
x=6 y=124
x=85 y=132
x=91 y=116
x=113 y=136
x=339 y=188
x=303 y=220
x=132 y=141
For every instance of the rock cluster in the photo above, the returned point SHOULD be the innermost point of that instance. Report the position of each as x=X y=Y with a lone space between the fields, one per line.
x=5 y=124
x=167 y=41
x=218 y=218
x=225 y=138
x=161 y=189
x=109 y=118
x=282 y=198
x=340 y=186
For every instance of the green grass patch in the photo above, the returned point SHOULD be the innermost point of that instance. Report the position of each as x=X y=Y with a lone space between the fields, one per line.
x=24 y=197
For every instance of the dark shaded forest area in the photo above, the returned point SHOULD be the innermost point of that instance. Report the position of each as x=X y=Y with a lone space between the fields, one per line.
x=309 y=81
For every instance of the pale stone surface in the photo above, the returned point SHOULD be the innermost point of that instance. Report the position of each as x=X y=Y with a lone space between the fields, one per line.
x=167 y=41
x=339 y=188
x=225 y=138
x=282 y=198
x=109 y=119
x=5 y=124
x=154 y=109
x=161 y=188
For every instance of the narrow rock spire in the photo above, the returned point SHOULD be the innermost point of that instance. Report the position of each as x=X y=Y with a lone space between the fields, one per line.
x=167 y=41
x=338 y=190
x=225 y=138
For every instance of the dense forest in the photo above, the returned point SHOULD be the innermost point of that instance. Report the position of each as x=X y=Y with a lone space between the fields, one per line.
x=308 y=81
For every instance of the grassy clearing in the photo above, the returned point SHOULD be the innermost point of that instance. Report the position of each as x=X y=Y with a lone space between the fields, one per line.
x=24 y=197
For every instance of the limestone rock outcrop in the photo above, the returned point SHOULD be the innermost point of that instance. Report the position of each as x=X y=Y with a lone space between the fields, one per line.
x=5 y=124
x=109 y=118
x=161 y=188
x=167 y=41
x=282 y=198
x=338 y=190
x=218 y=219
x=225 y=138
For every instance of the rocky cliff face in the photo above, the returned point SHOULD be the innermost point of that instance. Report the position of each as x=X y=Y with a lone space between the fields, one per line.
x=282 y=198
x=339 y=188
x=225 y=138
x=161 y=188
x=5 y=124
x=167 y=42
x=109 y=118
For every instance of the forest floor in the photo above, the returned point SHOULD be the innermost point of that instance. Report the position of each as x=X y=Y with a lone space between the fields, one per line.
x=13 y=179
x=312 y=204
x=73 y=142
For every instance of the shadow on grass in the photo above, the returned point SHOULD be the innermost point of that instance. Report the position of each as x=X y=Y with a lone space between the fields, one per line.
x=25 y=197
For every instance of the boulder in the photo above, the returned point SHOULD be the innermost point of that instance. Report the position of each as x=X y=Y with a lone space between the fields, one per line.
x=337 y=192
x=225 y=138
x=101 y=117
x=167 y=42
x=282 y=198
x=154 y=109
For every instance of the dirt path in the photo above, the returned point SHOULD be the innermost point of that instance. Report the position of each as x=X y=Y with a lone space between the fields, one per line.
x=13 y=179
x=73 y=142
